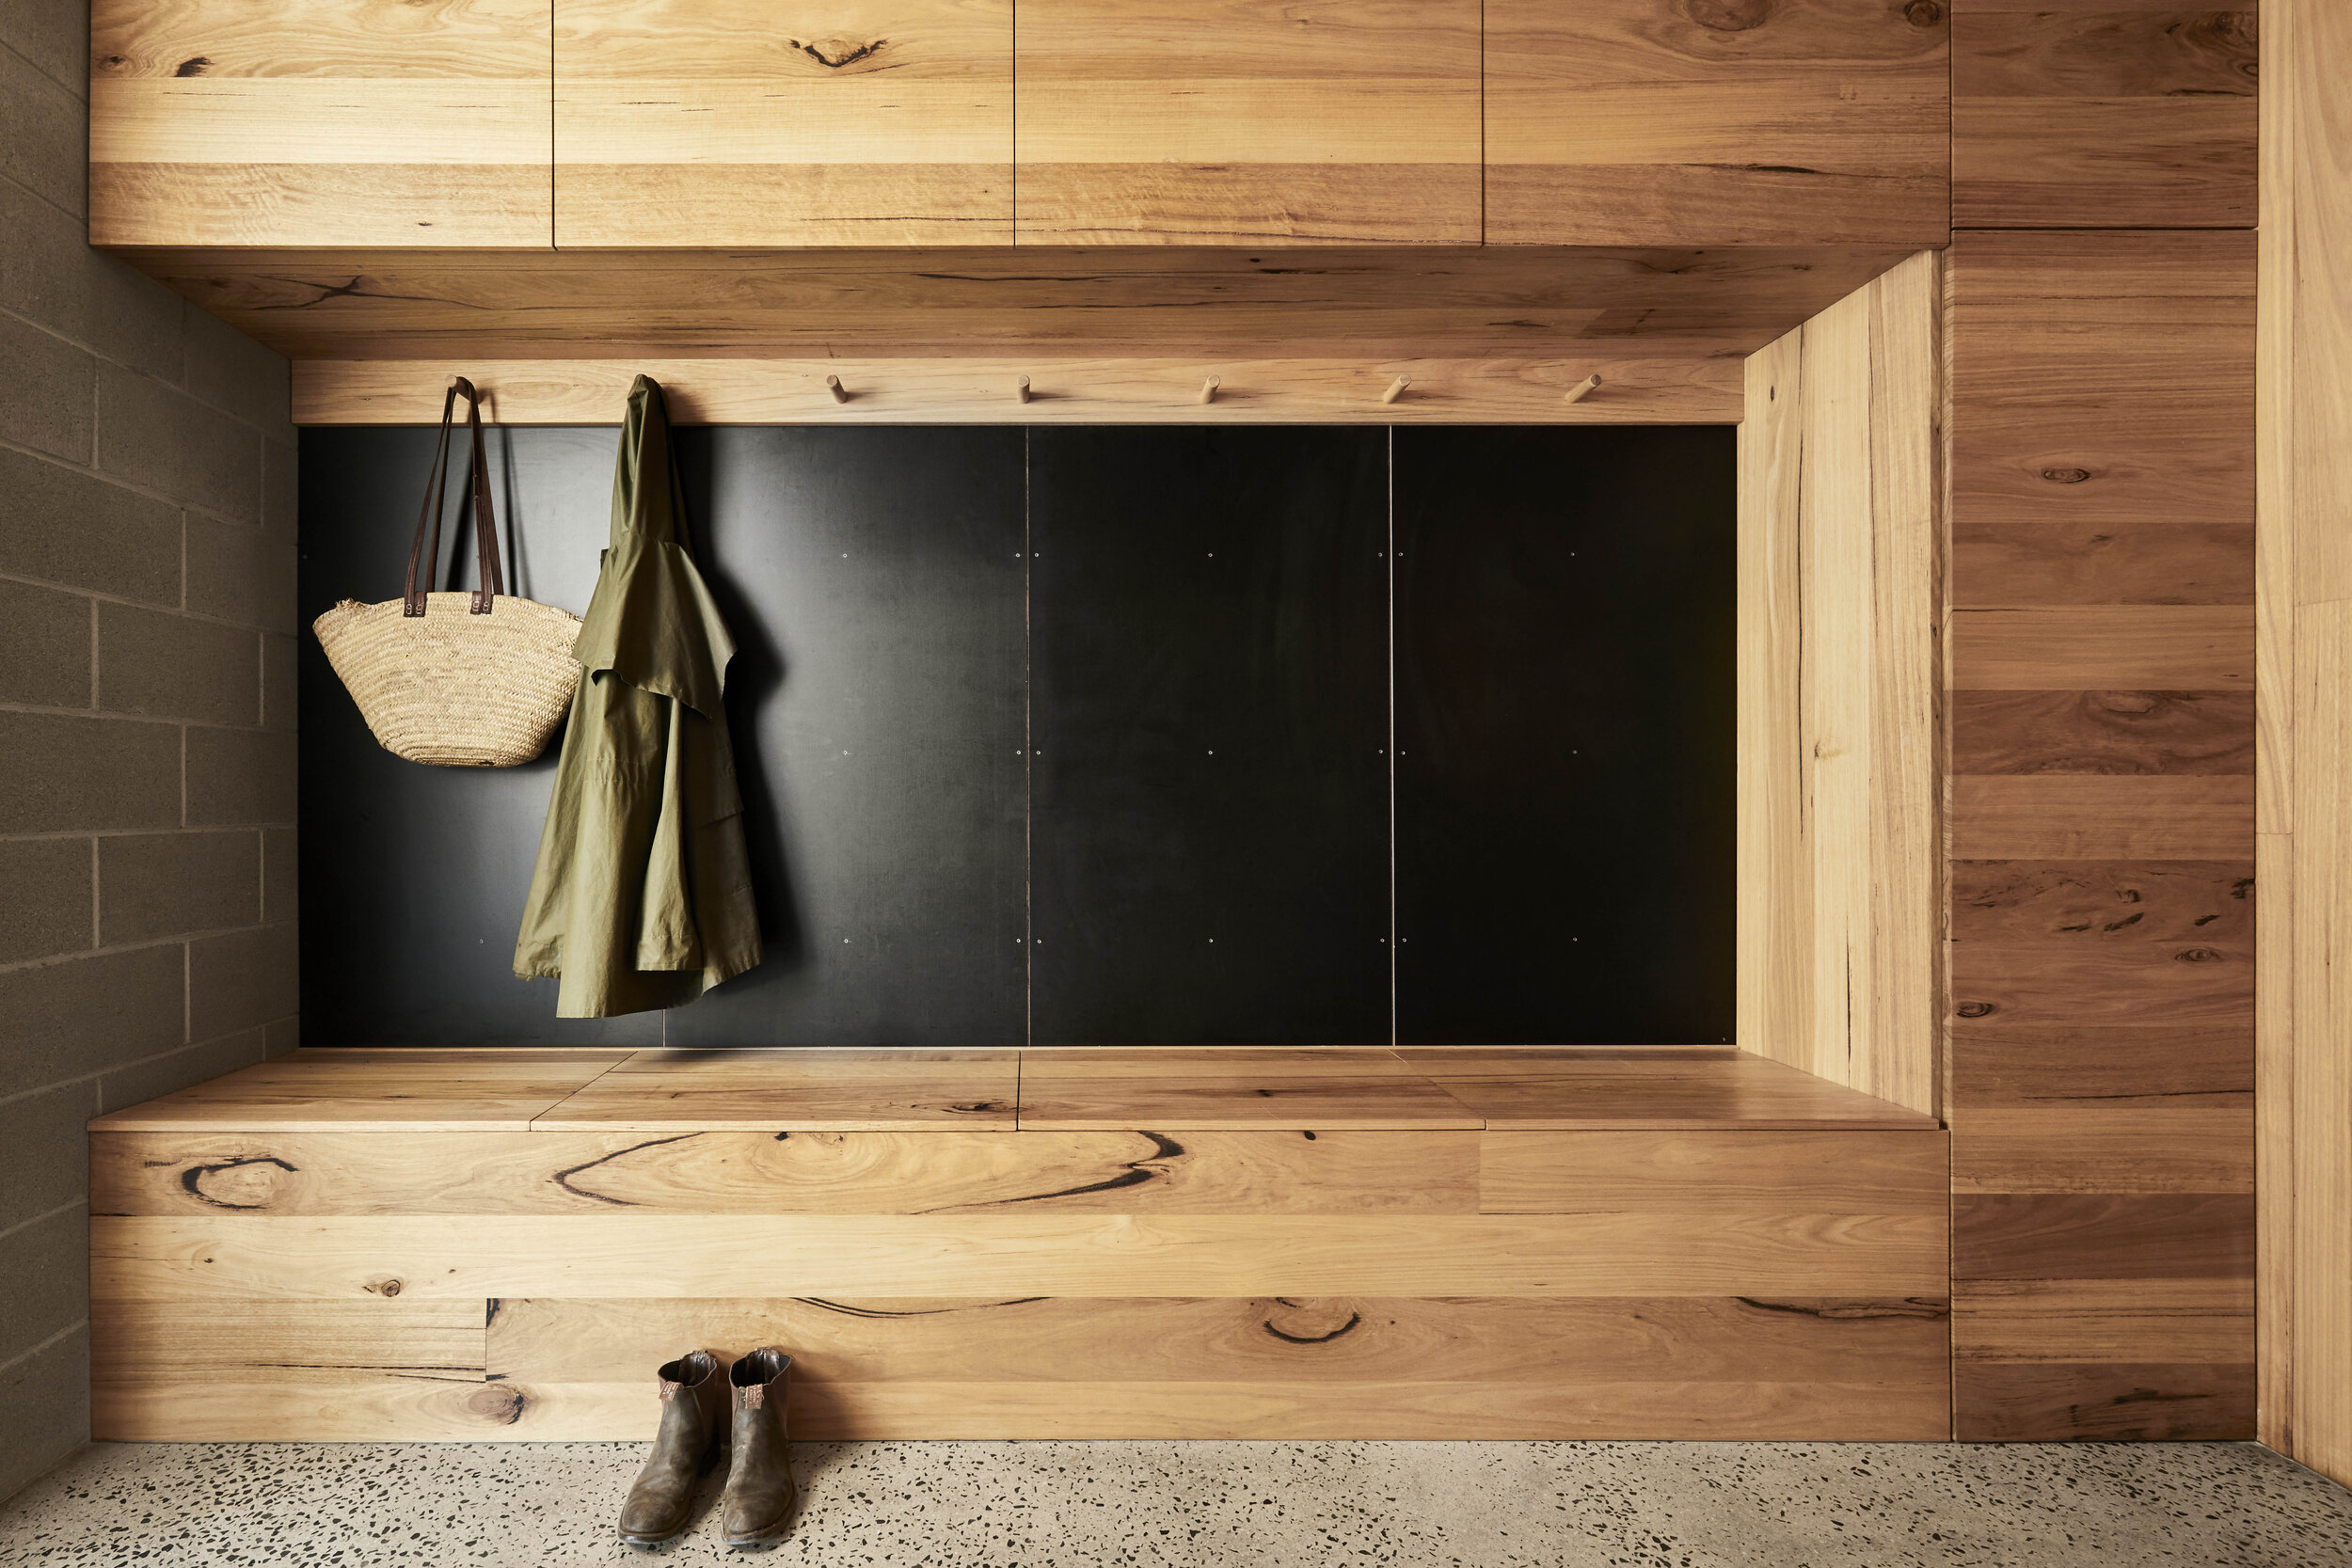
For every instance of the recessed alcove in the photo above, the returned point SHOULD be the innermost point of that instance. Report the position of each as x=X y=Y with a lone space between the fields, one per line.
x=1110 y=1209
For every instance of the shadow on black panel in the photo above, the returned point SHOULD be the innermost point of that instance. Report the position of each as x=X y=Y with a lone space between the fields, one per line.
x=413 y=878
x=754 y=683
x=882 y=569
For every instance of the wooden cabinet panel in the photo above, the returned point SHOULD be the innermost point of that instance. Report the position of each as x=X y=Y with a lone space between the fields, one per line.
x=2110 y=115
x=725 y=123
x=1722 y=122
x=1249 y=122
x=291 y=123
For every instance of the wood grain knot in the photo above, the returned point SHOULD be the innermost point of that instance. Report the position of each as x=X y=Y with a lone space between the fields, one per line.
x=1309 y=1322
x=2066 y=476
x=497 y=1403
x=836 y=51
x=194 y=66
x=1975 y=1009
x=249 y=1182
x=2230 y=33
x=385 y=1287
x=1727 y=16
x=2201 y=956
x=1924 y=13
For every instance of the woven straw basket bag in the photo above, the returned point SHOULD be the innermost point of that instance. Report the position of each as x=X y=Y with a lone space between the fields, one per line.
x=457 y=680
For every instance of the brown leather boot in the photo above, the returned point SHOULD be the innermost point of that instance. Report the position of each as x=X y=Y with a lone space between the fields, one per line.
x=693 y=1425
x=759 y=1491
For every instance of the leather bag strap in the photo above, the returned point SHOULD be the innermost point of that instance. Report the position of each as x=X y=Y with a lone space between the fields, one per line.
x=489 y=581
x=424 y=550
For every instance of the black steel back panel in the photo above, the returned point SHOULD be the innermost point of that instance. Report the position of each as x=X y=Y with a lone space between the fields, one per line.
x=872 y=580
x=1566 y=723
x=1563 y=671
x=1209 y=674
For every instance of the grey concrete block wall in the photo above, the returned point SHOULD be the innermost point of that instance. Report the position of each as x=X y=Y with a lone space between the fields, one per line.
x=147 y=762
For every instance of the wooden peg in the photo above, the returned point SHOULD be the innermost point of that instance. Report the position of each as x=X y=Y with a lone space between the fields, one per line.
x=1208 y=390
x=1396 y=389
x=1021 y=390
x=832 y=385
x=1581 y=390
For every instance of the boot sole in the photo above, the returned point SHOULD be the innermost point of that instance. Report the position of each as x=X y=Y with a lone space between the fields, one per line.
x=766 y=1538
x=628 y=1540
x=769 y=1536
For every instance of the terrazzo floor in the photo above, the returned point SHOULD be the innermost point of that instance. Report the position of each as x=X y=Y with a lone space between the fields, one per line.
x=1206 y=1505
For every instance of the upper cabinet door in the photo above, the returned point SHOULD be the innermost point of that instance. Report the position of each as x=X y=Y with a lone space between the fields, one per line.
x=319 y=122
x=1717 y=122
x=1249 y=122
x=775 y=122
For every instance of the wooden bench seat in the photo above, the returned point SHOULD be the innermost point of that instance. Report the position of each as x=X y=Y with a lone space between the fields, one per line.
x=1080 y=1089
x=1229 y=1242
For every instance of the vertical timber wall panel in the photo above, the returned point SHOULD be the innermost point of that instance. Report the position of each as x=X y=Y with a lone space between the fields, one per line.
x=2304 y=656
x=1842 y=496
x=2102 y=834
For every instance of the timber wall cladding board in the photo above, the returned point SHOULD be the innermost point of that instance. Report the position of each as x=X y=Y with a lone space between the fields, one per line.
x=289 y=123
x=2102 y=114
x=723 y=122
x=1247 y=121
x=2101 y=832
x=1840 y=500
x=1653 y=1284
x=2305 y=652
x=1630 y=121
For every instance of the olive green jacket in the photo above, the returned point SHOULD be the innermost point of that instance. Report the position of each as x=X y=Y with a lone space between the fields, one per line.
x=643 y=898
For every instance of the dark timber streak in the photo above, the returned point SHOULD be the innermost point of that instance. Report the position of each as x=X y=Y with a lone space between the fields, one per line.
x=849 y=1311
x=1137 y=1173
x=193 y=1179
x=564 y=1178
x=1910 y=1306
x=1353 y=1319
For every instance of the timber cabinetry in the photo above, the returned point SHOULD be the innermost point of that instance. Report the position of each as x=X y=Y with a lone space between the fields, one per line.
x=293 y=122
x=731 y=122
x=676 y=124
x=1249 y=122
x=1231 y=1243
